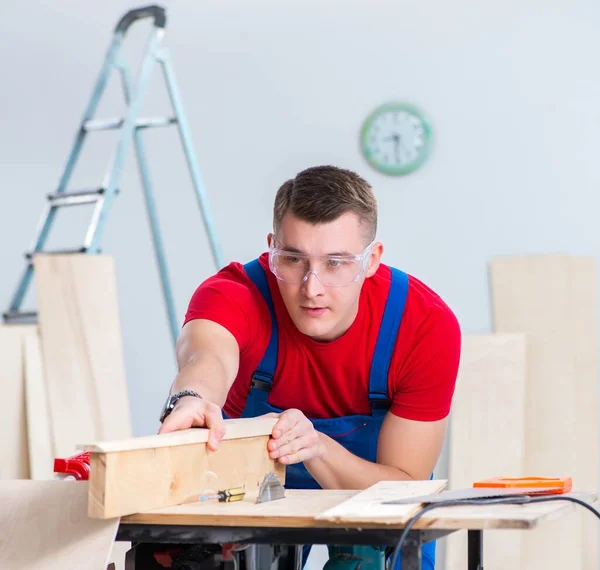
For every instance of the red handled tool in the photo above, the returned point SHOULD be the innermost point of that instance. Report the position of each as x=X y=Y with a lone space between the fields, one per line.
x=76 y=466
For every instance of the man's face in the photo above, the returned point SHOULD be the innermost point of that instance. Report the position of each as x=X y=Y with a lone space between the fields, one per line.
x=319 y=311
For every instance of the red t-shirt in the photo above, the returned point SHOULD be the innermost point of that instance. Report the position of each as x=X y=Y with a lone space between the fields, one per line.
x=331 y=379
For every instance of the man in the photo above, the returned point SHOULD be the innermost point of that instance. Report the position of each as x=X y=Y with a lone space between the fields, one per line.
x=358 y=359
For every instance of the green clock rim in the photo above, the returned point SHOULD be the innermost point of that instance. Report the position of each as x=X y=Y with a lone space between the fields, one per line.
x=428 y=135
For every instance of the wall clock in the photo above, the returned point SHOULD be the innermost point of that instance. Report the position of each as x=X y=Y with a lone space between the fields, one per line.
x=396 y=138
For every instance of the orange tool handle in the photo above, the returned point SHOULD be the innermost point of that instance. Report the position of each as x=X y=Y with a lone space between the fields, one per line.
x=556 y=485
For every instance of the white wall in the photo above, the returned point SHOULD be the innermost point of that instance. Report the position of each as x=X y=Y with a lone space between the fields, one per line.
x=512 y=89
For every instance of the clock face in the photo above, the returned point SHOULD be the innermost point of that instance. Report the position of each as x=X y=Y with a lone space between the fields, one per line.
x=396 y=139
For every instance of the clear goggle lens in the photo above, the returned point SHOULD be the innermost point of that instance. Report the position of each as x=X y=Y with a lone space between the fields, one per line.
x=331 y=271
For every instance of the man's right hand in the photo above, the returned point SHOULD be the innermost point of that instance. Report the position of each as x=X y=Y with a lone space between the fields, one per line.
x=190 y=412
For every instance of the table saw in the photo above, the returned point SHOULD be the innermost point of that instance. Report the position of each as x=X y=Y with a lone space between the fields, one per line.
x=302 y=518
x=149 y=492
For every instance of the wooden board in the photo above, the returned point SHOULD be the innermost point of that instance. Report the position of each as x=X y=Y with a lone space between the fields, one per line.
x=176 y=470
x=39 y=429
x=14 y=455
x=297 y=509
x=508 y=518
x=552 y=299
x=82 y=349
x=305 y=509
x=365 y=507
x=44 y=525
x=234 y=429
x=486 y=434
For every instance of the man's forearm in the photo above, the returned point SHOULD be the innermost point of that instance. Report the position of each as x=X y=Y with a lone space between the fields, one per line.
x=336 y=468
x=206 y=375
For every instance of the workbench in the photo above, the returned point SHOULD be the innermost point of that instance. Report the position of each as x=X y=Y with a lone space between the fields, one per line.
x=293 y=521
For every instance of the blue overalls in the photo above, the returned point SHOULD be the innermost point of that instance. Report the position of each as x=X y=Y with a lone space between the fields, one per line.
x=357 y=433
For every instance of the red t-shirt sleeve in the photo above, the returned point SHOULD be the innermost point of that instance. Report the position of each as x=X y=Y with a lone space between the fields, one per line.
x=423 y=387
x=230 y=299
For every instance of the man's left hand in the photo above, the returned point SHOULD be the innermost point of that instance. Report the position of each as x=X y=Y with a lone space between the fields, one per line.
x=294 y=438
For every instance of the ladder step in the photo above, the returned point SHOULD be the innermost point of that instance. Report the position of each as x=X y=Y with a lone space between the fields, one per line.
x=155 y=122
x=57 y=252
x=20 y=316
x=75 y=198
x=117 y=123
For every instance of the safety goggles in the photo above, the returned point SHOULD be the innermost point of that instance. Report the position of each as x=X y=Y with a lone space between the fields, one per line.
x=330 y=270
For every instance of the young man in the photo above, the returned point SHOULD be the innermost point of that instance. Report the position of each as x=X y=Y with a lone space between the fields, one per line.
x=358 y=359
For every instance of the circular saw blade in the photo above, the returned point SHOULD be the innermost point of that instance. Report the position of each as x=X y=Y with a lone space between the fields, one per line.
x=270 y=489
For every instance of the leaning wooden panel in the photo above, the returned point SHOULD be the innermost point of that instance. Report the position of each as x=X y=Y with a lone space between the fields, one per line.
x=552 y=298
x=172 y=473
x=14 y=456
x=486 y=434
x=585 y=355
x=44 y=525
x=39 y=428
x=82 y=349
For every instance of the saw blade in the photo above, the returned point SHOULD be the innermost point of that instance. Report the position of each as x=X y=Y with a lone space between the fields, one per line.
x=270 y=489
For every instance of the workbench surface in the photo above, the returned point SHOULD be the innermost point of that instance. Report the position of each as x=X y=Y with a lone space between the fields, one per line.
x=300 y=508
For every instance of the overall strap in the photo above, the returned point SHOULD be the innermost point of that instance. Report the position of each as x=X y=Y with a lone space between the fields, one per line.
x=262 y=378
x=386 y=341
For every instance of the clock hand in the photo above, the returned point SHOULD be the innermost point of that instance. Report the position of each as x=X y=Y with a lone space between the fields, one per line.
x=397 y=147
x=397 y=141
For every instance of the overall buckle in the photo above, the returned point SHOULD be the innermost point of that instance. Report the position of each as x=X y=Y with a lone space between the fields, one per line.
x=379 y=402
x=261 y=381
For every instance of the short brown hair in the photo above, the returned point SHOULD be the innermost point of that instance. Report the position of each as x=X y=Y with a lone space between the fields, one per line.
x=321 y=194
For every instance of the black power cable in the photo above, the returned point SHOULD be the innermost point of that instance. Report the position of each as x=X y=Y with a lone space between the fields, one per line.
x=514 y=500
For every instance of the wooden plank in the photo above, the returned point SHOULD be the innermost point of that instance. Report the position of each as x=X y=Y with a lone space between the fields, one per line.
x=508 y=518
x=126 y=482
x=44 y=524
x=297 y=509
x=365 y=507
x=14 y=456
x=41 y=454
x=234 y=429
x=552 y=299
x=486 y=433
x=82 y=349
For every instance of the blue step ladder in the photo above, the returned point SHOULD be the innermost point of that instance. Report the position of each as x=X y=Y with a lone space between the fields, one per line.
x=129 y=127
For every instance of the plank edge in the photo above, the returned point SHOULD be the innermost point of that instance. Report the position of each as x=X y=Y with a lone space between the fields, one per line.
x=234 y=429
